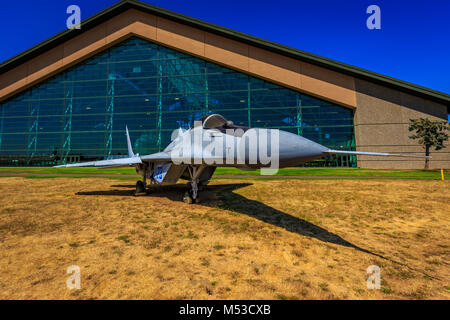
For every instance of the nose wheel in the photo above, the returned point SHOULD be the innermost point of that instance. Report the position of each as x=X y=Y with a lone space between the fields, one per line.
x=187 y=198
x=191 y=196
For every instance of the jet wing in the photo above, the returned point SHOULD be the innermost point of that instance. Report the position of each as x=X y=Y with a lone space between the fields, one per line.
x=189 y=158
x=122 y=162
x=126 y=162
x=374 y=154
x=160 y=156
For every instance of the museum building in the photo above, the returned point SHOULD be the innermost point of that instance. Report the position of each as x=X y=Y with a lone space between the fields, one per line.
x=69 y=98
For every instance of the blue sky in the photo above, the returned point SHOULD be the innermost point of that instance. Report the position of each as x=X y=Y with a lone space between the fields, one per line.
x=412 y=45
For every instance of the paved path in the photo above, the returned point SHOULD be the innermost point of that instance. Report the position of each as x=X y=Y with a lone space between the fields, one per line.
x=227 y=176
x=318 y=177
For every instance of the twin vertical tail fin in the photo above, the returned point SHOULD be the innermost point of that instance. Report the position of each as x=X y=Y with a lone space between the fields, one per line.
x=130 y=148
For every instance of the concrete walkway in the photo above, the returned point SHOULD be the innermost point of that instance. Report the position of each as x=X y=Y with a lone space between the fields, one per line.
x=225 y=176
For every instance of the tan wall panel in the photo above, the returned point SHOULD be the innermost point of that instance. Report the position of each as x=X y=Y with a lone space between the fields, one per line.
x=373 y=109
x=415 y=150
x=381 y=125
x=415 y=108
x=228 y=52
x=328 y=84
x=85 y=44
x=116 y=26
x=436 y=156
x=273 y=66
x=133 y=21
x=13 y=80
x=144 y=30
x=181 y=37
x=382 y=134
x=46 y=65
x=418 y=107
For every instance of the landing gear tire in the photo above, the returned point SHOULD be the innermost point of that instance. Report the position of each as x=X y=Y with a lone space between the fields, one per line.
x=187 y=198
x=140 y=187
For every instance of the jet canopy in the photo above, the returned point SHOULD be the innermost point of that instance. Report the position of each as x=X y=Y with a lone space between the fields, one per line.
x=219 y=122
x=215 y=121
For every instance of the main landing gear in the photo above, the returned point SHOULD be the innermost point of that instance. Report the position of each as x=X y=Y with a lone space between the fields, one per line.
x=191 y=195
x=141 y=185
x=194 y=185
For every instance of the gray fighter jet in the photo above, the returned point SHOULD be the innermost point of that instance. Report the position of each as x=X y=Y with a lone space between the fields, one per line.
x=212 y=142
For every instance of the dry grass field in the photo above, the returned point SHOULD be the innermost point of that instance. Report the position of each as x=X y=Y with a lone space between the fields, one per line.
x=247 y=239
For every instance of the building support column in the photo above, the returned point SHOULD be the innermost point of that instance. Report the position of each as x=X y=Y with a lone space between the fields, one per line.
x=298 y=119
x=206 y=91
x=110 y=115
x=67 y=145
x=34 y=128
x=159 y=107
x=249 y=115
x=2 y=125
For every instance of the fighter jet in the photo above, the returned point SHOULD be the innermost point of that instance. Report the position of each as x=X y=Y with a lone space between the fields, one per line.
x=212 y=142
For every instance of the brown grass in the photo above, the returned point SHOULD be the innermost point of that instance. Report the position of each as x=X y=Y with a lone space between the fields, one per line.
x=247 y=239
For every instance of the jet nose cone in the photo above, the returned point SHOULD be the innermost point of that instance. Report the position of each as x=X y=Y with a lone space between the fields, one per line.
x=295 y=150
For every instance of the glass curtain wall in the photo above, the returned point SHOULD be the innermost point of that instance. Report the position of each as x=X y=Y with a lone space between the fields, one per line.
x=81 y=113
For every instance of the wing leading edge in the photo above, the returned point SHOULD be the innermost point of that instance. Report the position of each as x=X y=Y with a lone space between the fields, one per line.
x=122 y=162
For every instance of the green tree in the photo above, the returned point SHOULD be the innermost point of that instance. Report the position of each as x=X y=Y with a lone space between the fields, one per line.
x=431 y=134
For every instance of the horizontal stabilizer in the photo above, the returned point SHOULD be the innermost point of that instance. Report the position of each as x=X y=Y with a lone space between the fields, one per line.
x=356 y=153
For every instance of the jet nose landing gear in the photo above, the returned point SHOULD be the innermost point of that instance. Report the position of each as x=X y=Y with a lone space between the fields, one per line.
x=191 y=196
x=187 y=198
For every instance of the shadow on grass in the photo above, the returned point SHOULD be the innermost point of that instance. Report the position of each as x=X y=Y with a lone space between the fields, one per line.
x=230 y=200
x=258 y=210
x=255 y=209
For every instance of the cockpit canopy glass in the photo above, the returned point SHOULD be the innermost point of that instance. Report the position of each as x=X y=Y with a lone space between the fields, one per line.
x=218 y=122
